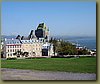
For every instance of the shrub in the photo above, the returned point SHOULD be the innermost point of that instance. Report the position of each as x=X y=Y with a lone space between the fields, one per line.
x=11 y=58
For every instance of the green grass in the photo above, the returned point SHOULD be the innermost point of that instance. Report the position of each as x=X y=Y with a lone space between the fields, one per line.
x=84 y=65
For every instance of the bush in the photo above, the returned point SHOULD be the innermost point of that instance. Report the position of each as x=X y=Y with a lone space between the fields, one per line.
x=11 y=58
x=87 y=57
x=29 y=58
x=35 y=57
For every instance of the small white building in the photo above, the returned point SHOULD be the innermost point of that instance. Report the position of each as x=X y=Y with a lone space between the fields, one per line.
x=93 y=52
x=47 y=49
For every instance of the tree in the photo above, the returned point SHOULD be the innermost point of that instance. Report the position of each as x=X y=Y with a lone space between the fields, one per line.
x=54 y=42
x=26 y=54
x=18 y=53
x=2 y=52
x=66 y=48
x=83 y=52
x=63 y=48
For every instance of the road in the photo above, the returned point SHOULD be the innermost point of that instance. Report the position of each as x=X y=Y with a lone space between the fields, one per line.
x=17 y=74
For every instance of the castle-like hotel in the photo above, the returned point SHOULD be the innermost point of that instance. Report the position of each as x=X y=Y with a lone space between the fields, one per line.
x=35 y=45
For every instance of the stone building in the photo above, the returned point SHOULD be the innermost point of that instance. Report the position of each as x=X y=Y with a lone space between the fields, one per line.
x=33 y=47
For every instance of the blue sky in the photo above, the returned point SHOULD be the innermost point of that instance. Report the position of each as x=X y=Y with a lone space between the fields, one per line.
x=62 y=18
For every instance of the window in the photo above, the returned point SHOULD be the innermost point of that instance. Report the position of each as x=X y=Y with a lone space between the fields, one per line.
x=8 y=46
x=8 y=54
x=13 y=50
x=8 y=50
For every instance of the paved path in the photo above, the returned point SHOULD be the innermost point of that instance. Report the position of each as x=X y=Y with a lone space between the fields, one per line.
x=17 y=74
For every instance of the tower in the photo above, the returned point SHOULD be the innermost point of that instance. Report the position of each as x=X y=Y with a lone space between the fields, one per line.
x=42 y=31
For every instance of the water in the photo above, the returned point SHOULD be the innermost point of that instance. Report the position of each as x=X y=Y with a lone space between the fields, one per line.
x=89 y=42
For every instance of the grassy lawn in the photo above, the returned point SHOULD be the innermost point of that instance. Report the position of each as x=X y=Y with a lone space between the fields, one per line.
x=85 y=65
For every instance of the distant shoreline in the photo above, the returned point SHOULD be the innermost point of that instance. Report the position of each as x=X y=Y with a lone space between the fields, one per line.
x=82 y=40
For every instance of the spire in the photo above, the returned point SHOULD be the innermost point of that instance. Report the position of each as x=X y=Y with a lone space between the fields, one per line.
x=18 y=37
x=31 y=35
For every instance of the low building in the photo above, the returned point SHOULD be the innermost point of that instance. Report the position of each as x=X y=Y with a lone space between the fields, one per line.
x=33 y=47
x=10 y=47
x=93 y=52
x=15 y=48
x=47 y=49
x=79 y=47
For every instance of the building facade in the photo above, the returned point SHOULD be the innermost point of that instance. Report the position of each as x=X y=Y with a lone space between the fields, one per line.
x=13 y=48
x=10 y=47
x=47 y=49
x=35 y=45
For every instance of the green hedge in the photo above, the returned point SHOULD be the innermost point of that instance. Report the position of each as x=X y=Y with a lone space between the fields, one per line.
x=11 y=58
